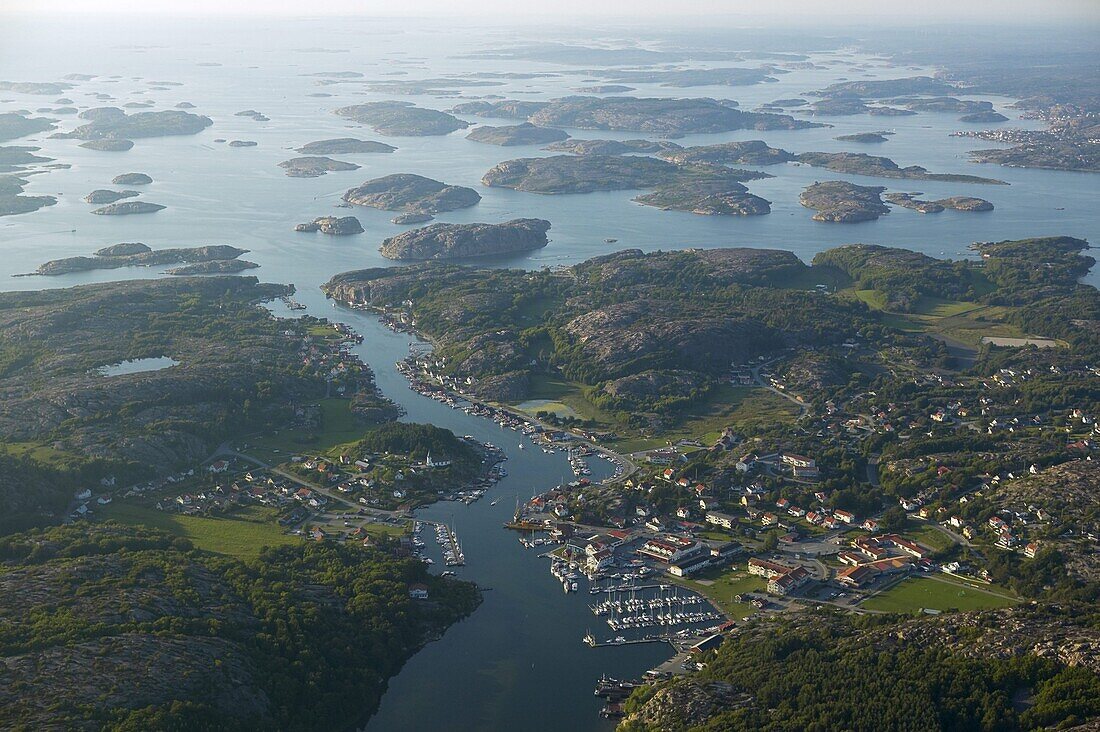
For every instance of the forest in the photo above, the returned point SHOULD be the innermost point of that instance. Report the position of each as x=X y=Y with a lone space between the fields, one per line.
x=304 y=637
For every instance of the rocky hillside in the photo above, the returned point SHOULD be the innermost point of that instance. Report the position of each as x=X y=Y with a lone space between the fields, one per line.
x=237 y=368
x=691 y=312
x=1027 y=668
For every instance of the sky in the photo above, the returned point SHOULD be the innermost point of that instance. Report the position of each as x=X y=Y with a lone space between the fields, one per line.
x=1023 y=11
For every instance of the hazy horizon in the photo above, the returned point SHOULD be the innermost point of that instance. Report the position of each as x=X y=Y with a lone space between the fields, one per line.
x=790 y=12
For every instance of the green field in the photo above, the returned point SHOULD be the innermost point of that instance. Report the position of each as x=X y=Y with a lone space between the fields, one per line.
x=240 y=536
x=534 y=406
x=936 y=593
x=725 y=406
x=722 y=585
x=929 y=536
x=962 y=321
x=339 y=426
x=40 y=452
x=564 y=397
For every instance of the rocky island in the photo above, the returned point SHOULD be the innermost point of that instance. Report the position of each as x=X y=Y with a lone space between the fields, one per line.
x=12 y=200
x=402 y=119
x=707 y=199
x=604 y=89
x=958 y=203
x=111 y=145
x=412 y=193
x=313 y=166
x=654 y=116
x=612 y=147
x=14 y=125
x=512 y=135
x=136 y=254
x=102 y=196
x=986 y=116
x=880 y=167
x=698 y=188
x=131 y=179
x=344 y=146
x=455 y=241
x=334 y=225
x=114 y=124
x=406 y=219
x=127 y=208
x=843 y=202
x=580 y=173
x=743 y=152
x=212 y=266
x=865 y=137
x=683 y=78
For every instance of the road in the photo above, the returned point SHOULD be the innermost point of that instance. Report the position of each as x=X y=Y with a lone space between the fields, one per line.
x=755 y=371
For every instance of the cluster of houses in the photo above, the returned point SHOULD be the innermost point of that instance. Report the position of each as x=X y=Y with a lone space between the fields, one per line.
x=252 y=486
x=782 y=579
x=683 y=557
x=872 y=557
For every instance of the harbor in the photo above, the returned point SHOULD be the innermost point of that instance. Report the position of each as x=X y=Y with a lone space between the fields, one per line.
x=470 y=663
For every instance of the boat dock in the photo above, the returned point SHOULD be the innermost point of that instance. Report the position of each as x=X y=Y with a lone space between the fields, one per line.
x=448 y=542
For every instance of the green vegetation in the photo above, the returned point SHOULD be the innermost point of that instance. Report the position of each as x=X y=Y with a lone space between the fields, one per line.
x=240 y=372
x=722 y=586
x=835 y=673
x=339 y=426
x=934 y=593
x=242 y=534
x=295 y=638
x=625 y=340
x=739 y=407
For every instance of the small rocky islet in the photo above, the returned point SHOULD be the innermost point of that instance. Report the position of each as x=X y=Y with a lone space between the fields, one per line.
x=102 y=196
x=344 y=146
x=111 y=145
x=314 y=166
x=334 y=225
x=865 y=137
x=406 y=219
x=957 y=203
x=131 y=179
x=127 y=208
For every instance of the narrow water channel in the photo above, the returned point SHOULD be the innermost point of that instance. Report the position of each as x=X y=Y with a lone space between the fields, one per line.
x=519 y=661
